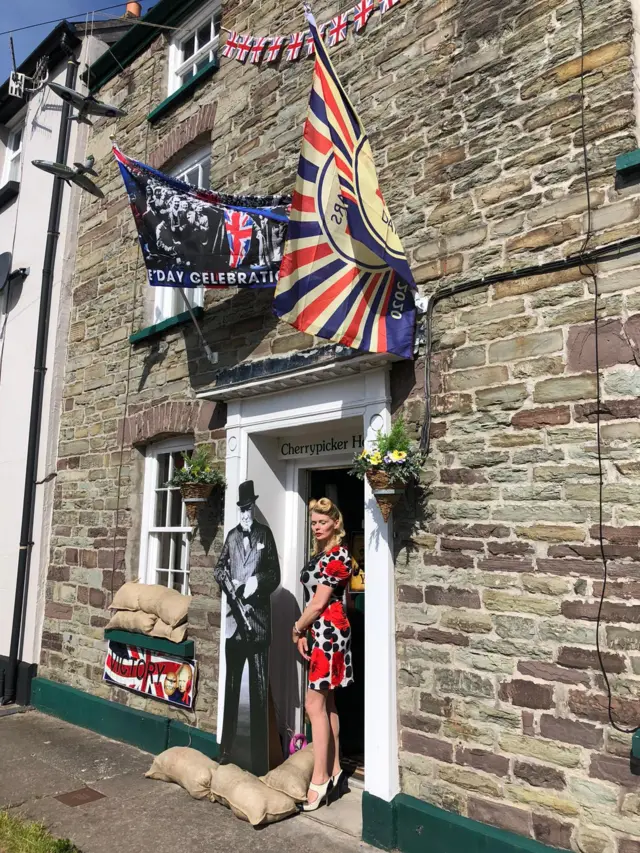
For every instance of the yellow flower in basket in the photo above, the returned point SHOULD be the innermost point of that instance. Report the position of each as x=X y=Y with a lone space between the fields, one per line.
x=398 y=455
x=375 y=458
x=364 y=454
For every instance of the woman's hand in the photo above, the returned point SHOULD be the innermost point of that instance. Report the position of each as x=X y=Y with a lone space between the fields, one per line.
x=303 y=648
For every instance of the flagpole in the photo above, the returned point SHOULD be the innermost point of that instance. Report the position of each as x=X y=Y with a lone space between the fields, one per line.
x=212 y=357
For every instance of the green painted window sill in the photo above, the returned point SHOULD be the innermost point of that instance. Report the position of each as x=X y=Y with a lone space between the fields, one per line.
x=629 y=162
x=169 y=323
x=187 y=649
x=183 y=93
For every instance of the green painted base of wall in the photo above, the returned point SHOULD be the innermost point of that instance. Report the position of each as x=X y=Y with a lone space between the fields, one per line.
x=413 y=826
x=149 y=732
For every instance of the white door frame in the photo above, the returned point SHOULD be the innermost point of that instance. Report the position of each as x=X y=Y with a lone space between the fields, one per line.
x=365 y=395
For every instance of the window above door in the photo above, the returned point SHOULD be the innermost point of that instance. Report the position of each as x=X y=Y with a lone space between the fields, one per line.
x=194 y=46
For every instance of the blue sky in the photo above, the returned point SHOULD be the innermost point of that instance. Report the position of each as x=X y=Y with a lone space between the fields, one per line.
x=20 y=13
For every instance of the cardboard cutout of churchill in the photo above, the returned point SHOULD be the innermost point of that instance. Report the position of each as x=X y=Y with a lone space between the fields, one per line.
x=248 y=572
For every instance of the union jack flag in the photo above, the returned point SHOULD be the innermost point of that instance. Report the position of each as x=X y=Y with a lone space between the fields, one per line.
x=239 y=228
x=231 y=46
x=344 y=276
x=274 y=49
x=362 y=12
x=296 y=43
x=337 y=30
x=387 y=5
x=244 y=47
x=310 y=44
x=257 y=50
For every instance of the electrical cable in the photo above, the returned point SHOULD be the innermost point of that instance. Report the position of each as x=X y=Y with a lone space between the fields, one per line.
x=128 y=382
x=60 y=20
x=596 y=320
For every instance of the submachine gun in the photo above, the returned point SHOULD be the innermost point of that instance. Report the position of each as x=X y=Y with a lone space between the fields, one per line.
x=239 y=608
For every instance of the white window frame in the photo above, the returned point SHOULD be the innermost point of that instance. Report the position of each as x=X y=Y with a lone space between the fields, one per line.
x=168 y=301
x=178 y=66
x=148 y=542
x=13 y=157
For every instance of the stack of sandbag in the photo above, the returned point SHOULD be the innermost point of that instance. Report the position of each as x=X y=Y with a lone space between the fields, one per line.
x=294 y=776
x=151 y=609
x=186 y=767
x=248 y=797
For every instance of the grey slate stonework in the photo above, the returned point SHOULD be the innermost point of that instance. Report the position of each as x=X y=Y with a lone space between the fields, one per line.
x=474 y=112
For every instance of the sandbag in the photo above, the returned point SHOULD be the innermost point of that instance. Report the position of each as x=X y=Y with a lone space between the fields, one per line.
x=126 y=598
x=166 y=632
x=294 y=776
x=167 y=604
x=249 y=798
x=136 y=621
x=187 y=767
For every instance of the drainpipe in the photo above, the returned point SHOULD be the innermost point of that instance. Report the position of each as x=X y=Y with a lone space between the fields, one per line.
x=35 y=420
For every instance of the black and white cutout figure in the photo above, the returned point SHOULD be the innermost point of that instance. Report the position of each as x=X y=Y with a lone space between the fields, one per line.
x=248 y=572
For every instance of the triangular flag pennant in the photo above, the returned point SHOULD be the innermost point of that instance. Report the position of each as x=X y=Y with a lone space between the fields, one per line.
x=345 y=276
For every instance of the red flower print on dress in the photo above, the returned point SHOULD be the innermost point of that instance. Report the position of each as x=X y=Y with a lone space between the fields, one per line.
x=337 y=669
x=337 y=569
x=335 y=615
x=319 y=666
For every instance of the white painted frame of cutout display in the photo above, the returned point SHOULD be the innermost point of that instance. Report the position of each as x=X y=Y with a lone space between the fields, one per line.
x=364 y=395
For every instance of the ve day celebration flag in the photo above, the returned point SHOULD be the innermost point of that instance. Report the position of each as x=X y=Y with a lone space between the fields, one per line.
x=345 y=276
x=192 y=236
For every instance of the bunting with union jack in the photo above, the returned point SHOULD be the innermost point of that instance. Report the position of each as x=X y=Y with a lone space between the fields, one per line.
x=344 y=276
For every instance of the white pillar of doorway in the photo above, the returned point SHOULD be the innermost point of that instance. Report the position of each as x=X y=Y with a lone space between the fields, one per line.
x=364 y=395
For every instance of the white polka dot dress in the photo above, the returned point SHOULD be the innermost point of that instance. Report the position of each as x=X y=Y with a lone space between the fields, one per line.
x=331 y=665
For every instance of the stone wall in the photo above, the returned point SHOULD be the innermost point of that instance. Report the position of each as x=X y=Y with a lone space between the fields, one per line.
x=473 y=108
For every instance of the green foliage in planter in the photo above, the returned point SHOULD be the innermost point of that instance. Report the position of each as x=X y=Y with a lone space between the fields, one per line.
x=198 y=468
x=393 y=453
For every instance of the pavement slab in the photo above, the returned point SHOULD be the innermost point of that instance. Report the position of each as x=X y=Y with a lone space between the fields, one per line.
x=45 y=757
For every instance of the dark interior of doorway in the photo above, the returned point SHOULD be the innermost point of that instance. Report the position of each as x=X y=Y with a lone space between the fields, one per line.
x=348 y=493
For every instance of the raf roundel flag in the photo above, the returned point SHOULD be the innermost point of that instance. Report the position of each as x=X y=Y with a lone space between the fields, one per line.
x=344 y=276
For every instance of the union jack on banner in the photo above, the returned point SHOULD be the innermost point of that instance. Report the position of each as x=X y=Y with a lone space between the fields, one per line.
x=239 y=227
x=344 y=276
x=361 y=14
x=257 y=50
x=275 y=48
x=337 y=30
x=387 y=5
x=244 y=46
x=231 y=46
x=296 y=43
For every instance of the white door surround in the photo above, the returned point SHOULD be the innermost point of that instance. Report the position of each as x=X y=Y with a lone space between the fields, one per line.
x=253 y=424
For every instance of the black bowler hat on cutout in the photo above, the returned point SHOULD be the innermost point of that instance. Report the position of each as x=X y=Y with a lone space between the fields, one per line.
x=246 y=494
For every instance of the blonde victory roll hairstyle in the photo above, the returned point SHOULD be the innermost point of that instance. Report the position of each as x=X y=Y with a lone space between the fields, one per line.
x=323 y=506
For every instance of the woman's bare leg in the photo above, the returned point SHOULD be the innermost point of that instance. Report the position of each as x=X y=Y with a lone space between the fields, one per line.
x=316 y=706
x=334 y=743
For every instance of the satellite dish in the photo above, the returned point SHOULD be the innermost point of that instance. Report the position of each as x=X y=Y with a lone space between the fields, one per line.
x=5 y=268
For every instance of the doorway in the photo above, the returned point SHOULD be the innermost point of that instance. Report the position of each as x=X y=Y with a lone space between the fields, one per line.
x=347 y=493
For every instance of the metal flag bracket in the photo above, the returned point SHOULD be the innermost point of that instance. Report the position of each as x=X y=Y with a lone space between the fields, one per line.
x=212 y=357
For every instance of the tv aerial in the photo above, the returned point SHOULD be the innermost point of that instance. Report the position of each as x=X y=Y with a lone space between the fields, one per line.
x=22 y=85
x=86 y=105
x=77 y=175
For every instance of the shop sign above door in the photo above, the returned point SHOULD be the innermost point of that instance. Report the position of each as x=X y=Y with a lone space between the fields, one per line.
x=319 y=445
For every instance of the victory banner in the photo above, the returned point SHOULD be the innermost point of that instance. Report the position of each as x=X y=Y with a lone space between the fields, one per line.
x=154 y=675
x=192 y=237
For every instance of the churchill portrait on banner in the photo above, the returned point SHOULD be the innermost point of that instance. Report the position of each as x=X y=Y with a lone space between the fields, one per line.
x=248 y=572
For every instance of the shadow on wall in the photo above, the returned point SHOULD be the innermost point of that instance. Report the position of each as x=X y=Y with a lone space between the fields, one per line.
x=233 y=326
x=486 y=19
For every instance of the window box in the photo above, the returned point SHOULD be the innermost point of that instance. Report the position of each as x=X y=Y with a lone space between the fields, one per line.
x=183 y=93
x=8 y=192
x=187 y=649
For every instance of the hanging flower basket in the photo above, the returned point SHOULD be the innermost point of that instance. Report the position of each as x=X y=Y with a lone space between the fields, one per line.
x=389 y=466
x=194 y=495
x=386 y=490
x=196 y=479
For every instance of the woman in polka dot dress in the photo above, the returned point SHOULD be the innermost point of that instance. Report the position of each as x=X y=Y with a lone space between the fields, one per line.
x=324 y=580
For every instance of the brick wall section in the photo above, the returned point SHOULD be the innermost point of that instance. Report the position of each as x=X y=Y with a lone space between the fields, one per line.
x=473 y=109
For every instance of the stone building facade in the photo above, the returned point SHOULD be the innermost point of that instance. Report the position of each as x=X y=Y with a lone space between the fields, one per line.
x=474 y=109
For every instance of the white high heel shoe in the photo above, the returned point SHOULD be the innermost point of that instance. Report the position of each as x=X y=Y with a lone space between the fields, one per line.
x=323 y=795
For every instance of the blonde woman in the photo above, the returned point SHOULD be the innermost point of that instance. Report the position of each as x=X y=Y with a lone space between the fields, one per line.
x=324 y=579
